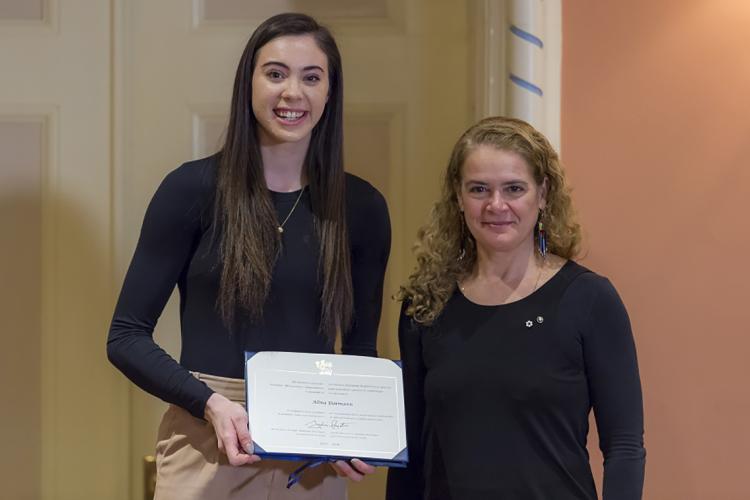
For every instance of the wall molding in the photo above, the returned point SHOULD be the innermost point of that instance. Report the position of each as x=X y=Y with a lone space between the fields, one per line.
x=201 y=115
x=48 y=116
x=392 y=117
x=393 y=22
x=49 y=24
x=120 y=116
x=518 y=57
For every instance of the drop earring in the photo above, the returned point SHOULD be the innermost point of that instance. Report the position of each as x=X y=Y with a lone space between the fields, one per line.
x=541 y=235
x=462 y=252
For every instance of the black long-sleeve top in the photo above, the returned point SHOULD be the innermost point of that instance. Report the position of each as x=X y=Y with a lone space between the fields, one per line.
x=498 y=397
x=177 y=247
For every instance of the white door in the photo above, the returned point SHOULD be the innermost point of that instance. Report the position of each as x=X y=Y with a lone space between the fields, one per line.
x=62 y=408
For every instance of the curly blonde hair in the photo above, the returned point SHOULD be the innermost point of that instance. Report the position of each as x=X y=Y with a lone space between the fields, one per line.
x=442 y=241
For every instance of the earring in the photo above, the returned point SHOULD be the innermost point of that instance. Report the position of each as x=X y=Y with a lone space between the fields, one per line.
x=541 y=235
x=462 y=252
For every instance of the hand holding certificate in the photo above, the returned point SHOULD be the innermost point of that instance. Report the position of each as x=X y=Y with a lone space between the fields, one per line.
x=326 y=407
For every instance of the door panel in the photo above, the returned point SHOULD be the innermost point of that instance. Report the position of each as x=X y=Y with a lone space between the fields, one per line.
x=62 y=412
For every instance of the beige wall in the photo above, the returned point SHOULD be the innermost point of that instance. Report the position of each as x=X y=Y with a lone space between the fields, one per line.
x=655 y=122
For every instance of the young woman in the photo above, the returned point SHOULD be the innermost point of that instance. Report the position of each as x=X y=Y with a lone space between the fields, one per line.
x=273 y=248
x=508 y=344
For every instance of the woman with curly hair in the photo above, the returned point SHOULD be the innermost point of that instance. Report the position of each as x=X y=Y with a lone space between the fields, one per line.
x=507 y=343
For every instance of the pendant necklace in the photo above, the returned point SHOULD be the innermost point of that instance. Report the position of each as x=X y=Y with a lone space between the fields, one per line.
x=536 y=283
x=280 y=227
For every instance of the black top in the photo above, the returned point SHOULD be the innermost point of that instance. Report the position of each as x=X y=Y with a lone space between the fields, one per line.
x=177 y=246
x=498 y=397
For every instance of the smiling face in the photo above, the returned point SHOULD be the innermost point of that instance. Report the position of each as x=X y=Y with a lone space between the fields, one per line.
x=500 y=199
x=290 y=89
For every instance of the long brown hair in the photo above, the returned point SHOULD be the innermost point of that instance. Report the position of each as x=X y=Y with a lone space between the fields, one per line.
x=250 y=243
x=446 y=250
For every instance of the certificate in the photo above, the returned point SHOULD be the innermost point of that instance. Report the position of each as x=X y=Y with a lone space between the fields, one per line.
x=326 y=406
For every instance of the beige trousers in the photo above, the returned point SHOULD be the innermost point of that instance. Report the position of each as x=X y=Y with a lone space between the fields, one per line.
x=189 y=465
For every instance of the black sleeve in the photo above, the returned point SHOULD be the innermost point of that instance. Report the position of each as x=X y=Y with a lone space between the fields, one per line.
x=408 y=483
x=615 y=389
x=168 y=237
x=370 y=230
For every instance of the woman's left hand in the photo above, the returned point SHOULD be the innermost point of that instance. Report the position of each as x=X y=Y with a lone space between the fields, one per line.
x=355 y=469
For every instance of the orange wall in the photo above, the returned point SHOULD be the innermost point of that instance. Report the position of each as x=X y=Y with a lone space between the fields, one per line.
x=656 y=138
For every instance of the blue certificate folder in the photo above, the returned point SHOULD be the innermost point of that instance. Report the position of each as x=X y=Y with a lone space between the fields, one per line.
x=326 y=407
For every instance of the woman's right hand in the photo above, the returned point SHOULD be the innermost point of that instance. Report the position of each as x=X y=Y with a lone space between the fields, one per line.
x=230 y=424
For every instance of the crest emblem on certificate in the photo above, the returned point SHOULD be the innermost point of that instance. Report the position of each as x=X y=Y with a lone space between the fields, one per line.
x=324 y=367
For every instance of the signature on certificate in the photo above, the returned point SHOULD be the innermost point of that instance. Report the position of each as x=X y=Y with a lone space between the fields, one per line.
x=332 y=424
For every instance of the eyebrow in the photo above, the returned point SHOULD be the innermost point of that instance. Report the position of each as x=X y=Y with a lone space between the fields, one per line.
x=285 y=66
x=506 y=183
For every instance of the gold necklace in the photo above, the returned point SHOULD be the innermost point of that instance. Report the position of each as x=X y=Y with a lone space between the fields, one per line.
x=536 y=283
x=280 y=227
x=538 y=277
